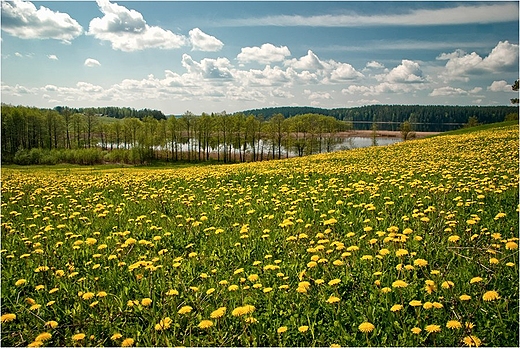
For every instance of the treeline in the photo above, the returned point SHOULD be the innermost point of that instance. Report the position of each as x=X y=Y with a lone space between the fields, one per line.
x=113 y=111
x=47 y=136
x=425 y=118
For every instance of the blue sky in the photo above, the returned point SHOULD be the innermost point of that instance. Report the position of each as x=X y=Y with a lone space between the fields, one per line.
x=231 y=56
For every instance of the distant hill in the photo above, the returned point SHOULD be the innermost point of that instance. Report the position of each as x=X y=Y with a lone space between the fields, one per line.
x=434 y=118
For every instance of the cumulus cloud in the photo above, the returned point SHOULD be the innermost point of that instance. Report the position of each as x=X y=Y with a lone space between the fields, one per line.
x=407 y=72
x=500 y=86
x=208 y=68
x=308 y=62
x=374 y=65
x=204 y=42
x=453 y=91
x=503 y=57
x=90 y=62
x=52 y=57
x=23 y=20
x=127 y=30
x=265 y=54
x=344 y=72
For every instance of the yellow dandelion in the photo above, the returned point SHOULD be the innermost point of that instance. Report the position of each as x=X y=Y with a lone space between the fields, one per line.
x=20 y=282
x=303 y=328
x=475 y=280
x=453 y=324
x=490 y=295
x=185 y=310
x=87 y=295
x=35 y=344
x=366 y=327
x=415 y=303
x=44 y=336
x=386 y=290
x=163 y=324
x=416 y=330
x=399 y=284
x=334 y=282
x=251 y=320
x=464 y=297
x=281 y=329
x=35 y=307
x=511 y=246
x=78 y=337
x=472 y=341
x=116 y=336
x=204 y=324
x=172 y=292
x=233 y=287
x=453 y=238
x=127 y=342
x=218 y=313
x=447 y=284
x=333 y=299
x=428 y=305
x=5 y=318
x=101 y=294
x=493 y=261
x=432 y=328
x=51 y=323
x=396 y=308
x=420 y=262
x=146 y=301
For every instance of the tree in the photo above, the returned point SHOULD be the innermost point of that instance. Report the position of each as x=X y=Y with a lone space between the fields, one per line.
x=514 y=87
x=406 y=131
x=472 y=122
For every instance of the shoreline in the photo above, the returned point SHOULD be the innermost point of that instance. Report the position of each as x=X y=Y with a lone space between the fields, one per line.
x=382 y=134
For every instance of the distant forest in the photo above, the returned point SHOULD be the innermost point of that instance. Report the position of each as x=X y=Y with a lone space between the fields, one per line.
x=113 y=111
x=424 y=118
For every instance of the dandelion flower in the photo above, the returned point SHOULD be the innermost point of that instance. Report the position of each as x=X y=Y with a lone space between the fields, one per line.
x=386 y=290
x=334 y=282
x=53 y=324
x=432 y=328
x=204 y=324
x=250 y=320
x=464 y=297
x=233 y=287
x=471 y=341
x=5 y=318
x=511 y=246
x=116 y=336
x=366 y=327
x=396 y=308
x=493 y=261
x=35 y=344
x=35 y=307
x=420 y=262
x=101 y=294
x=172 y=292
x=453 y=324
x=490 y=296
x=453 y=238
x=415 y=303
x=281 y=329
x=447 y=284
x=303 y=328
x=428 y=305
x=185 y=310
x=20 y=282
x=163 y=324
x=218 y=313
x=399 y=284
x=416 y=330
x=44 y=336
x=78 y=337
x=127 y=342
x=333 y=299
x=87 y=295
x=475 y=280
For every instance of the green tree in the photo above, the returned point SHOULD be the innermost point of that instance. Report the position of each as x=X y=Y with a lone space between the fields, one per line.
x=514 y=87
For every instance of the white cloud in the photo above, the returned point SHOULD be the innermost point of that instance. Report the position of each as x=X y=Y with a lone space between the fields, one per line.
x=23 y=20
x=344 y=72
x=208 y=68
x=460 y=64
x=52 y=57
x=204 y=42
x=18 y=54
x=500 y=86
x=90 y=62
x=374 y=65
x=407 y=72
x=317 y=95
x=127 y=30
x=453 y=91
x=463 y=14
x=265 y=54
x=308 y=62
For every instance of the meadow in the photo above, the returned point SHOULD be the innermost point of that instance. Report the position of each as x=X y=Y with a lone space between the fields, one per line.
x=413 y=244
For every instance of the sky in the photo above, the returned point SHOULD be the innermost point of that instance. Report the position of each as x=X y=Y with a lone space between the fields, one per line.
x=215 y=56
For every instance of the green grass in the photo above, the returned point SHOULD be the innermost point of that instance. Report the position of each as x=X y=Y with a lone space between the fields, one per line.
x=462 y=131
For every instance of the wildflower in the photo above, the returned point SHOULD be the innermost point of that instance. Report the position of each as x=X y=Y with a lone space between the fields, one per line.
x=366 y=327
x=333 y=299
x=416 y=330
x=44 y=336
x=164 y=324
x=447 y=284
x=172 y=292
x=420 y=262
x=415 y=303
x=401 y=252
x=303 y=328
x=5 y=318
x=511 y=246
x=464 y=297
x=204 y=324
x=334 y=282
x=453 y=238
x=471 y=341
x=20 y=282
x=35 y=307
x=53 y=324
x=437 y=305
x=399 y=284
x=281 y=329
x=101 y=294
x=386 y=290
x=218 y=313
x=116 y=336
x=87 y=295
x=251 y=320
x=475 y=280
x=127 y=342
x=78 y=337
x=233 y=287
x=453 y=324
x=490 y=296
x=185 y=310
x=432 y=328
x=396 y=308
x=35 y=344
x=493 y=261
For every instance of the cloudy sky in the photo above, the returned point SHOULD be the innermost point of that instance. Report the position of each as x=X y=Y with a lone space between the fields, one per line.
x=215 y=56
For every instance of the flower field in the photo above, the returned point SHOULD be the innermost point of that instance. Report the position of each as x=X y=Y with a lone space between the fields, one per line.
x=406 y=245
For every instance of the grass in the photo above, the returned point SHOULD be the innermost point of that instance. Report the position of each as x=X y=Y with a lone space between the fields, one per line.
x=419 y=239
